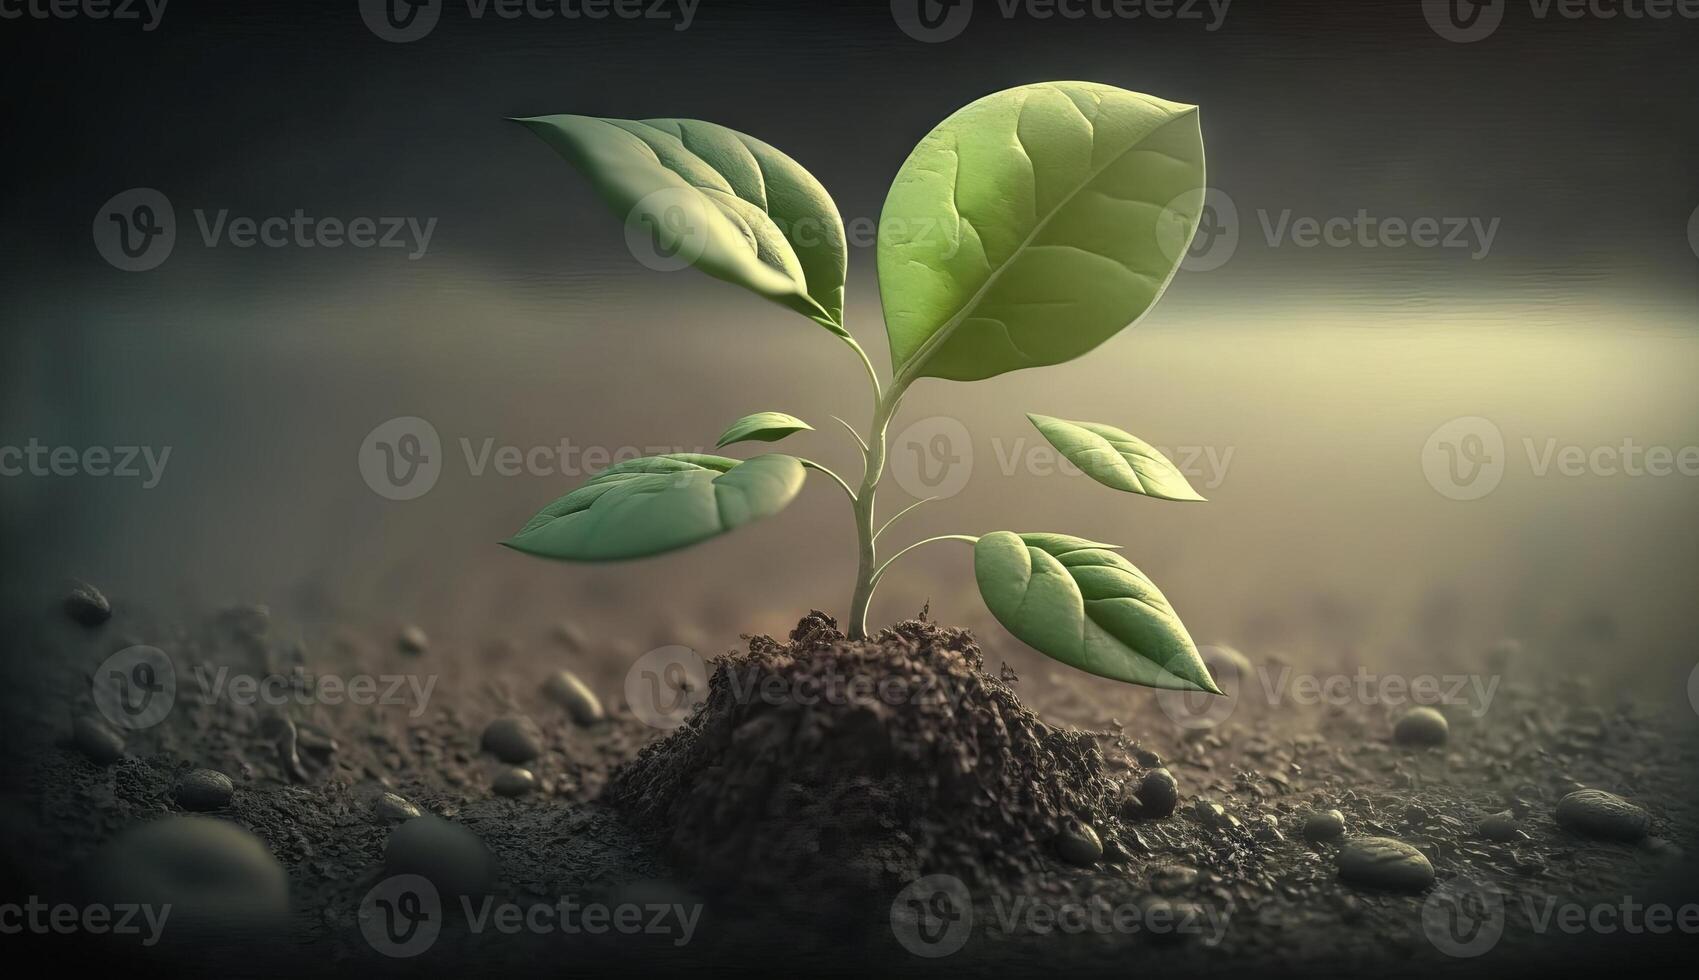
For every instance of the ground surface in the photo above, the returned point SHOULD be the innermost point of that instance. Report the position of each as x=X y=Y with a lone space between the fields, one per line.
x=796 y=826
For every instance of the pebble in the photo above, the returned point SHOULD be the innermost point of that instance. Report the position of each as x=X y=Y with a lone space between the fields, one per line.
x=446 y=854
x=96 y=740
x=514 y=781
x=209 y=872
x=565 y=689
x=203 y=789
x=1172 y=879
x=1421 y=726
x=1079 y=844
x=412 y=641
x=86 y=605
x=1157 y=794
x=513 y=739
x=570 y=636
x=1596 y=813
x=1324 y=825
x=1500 y=827
x=391 y=806
x=1214 y=815
x=1381 y=862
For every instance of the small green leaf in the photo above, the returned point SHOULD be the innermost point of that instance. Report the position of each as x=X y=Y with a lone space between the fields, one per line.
x=762 y=427
x=659 y=503
x=1035 y=224
x=1082 y=604
x=722 y=201
x=1115 y=458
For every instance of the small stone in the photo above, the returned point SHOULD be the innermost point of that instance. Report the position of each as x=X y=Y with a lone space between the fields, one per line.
x=1500 y=827
x=565 y=689
x=1167 y=922
x=1172 y=879
x=1324 y=825
x=446 y=854
x=1266 y=828
x=412 y=641
x=203 y=789
x=1079 y=844
x=1421 y=726
x=570 y=636
x=513 y=739
x=86 y=605
x=1158 y=794
x=391 y=806
x=209 y=872
x=1114 y=851
x=96 y=740
x=514 y=782
x=1596 y=813
x=1214 y=815
x=1381 y=862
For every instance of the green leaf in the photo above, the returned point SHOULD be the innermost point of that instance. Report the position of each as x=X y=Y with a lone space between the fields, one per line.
x=1115 y=458
x=1084 y=605
x=725 y=202
x=762 y=427
x=1035 y=224
x=659 y=503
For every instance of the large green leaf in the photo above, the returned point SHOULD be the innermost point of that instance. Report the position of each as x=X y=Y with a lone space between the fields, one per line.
x=746 y=213
x=659 y=503
x=1035 y=224
x=1080 y=603
x=762 y=427
x=1115 y=458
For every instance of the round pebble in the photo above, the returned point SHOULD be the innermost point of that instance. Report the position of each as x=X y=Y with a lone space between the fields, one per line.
x=412 y=641
x=203 y=789
x=86 y=605
x=96 y=740
x=514 y=782
x=1324 y=825
x=1079 y=844
x=565 y=689
x=514 y=739
x=1421 y=726
x=1381 y=862
x=391 y=806
x=1596 y=813
x=1500 y=827
x=1158 y=793
x=446 y=854
x=212 y=874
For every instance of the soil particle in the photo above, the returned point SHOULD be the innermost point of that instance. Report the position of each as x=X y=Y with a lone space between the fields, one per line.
x=86 y=604
x=1421 y=726
x=513 y=739
x=446 y=854
x=1596 y=813
x=210 y=872
x=203 y=789
x=96 y=740
x=1078 y=844
x=1157 y=795
x=412 y=641
x=513 y=781
x=1499 y=827
x=392 y=807
x=1381 y=862
x=566 y=689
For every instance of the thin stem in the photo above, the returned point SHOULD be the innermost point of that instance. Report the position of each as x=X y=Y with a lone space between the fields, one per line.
x=811 y=464
x=854 y=435
x=880 y=573
x=866 y=362
x=864 y=508
x=899 y=516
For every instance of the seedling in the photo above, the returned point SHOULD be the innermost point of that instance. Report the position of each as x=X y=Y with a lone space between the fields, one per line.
x=1024 y=231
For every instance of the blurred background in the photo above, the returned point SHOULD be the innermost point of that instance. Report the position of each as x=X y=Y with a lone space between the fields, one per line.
x=1305 y=374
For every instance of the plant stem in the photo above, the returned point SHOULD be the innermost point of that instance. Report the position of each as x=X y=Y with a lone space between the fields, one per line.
x=879 y=573
x=884 y=407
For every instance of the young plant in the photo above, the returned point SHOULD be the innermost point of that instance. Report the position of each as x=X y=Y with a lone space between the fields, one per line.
x=1024 y=231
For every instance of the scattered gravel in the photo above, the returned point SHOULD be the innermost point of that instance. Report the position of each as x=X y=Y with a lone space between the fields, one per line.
x=203 y=789
x=1381 y=862
x=1596 y=813
x=514 y=739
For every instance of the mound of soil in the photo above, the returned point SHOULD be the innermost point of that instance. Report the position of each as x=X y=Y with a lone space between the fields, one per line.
x=830 y=764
